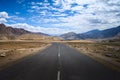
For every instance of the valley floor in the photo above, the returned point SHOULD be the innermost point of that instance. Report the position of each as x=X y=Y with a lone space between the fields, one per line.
x=12 y=51
x=107 y=53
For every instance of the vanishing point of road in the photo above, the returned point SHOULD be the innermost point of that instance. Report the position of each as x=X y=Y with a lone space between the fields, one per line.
x=58 y=62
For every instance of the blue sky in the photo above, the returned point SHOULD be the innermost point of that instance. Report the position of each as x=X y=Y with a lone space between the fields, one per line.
x=60 y=16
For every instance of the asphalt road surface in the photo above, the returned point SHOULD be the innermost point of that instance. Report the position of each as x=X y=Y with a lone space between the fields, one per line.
x=58 y=62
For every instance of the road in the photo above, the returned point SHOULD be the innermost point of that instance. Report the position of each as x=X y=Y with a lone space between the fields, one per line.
x=58 y=62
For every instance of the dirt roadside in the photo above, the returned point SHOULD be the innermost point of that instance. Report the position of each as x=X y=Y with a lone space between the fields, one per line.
x=11 y=56
x=100 y=55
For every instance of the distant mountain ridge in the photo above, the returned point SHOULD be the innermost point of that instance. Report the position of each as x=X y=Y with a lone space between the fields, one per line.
x=13 y=31
x=40 y=33
x=9 y=33
x=93 y=34
x=70 y=35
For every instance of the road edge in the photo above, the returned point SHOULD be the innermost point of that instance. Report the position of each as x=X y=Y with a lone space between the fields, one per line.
x=22 y=58
x=98 y=59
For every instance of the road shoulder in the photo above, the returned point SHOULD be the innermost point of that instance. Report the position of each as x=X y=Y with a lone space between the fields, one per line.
x=99 y=58
x=20 y=54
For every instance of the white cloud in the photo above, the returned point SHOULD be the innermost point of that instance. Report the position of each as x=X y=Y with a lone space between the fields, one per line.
x=71 y=15
x=35 y=7
x=3 y=20
x=53 y=31
x=4 y=15
x=16 y=18
x=104 y=13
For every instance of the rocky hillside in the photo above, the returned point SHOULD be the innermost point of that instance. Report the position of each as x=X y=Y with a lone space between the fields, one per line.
x=93 y=34
x=13 y=31
x=9 y=33
x=70 y=35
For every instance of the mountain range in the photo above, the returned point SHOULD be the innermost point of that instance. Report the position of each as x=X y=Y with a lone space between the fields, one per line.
x=93 y=34
x=9 y=33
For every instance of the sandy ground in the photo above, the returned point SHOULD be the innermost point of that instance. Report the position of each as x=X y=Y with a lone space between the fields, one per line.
x=10 y=52
x=107 y=53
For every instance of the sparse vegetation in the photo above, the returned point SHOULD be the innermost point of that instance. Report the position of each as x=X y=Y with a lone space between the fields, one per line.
x=108 y=51
x=13 y=50
x=18 y=45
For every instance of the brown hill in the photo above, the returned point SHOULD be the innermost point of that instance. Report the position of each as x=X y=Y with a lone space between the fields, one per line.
x=93 y=34
x=37 y=37
x=13 y=31
x=9 y=33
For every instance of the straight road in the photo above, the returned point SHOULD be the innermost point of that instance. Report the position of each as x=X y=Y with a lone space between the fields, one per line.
x=58 y=62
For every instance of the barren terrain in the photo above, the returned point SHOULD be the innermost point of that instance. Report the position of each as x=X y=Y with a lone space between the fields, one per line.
x=11 y=51
x=107 y=53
